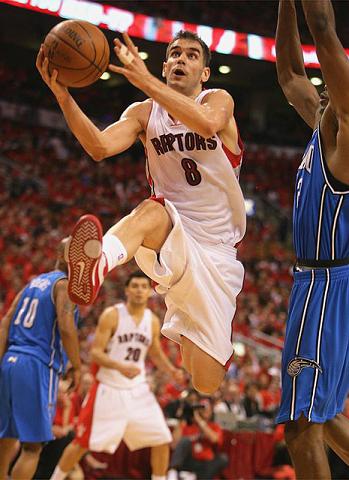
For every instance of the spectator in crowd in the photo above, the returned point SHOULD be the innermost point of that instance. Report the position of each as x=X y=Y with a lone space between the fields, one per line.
x=252 y=400
x=231 y=402
x=197 y=441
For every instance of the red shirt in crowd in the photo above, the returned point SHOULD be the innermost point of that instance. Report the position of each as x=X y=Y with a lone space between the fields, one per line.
x=202 y=447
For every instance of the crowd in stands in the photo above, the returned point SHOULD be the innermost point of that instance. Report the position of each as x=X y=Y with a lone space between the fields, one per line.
x=238 y=15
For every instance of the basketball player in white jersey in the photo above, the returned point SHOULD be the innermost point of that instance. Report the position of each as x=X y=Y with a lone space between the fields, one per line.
x=120 y=405
x=186 y=239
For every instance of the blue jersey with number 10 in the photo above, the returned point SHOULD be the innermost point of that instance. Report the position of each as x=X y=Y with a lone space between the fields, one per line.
x=321 y=209
x=34 y=328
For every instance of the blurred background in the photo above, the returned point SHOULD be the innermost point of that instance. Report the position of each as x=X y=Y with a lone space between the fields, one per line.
x=47 y=181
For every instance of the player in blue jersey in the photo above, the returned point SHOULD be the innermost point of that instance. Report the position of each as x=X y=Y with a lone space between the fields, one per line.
x=36 y=336
x=315 y=378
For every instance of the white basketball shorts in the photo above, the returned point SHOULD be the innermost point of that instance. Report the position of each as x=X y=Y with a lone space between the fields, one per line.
x=200 y=284
x=109 y=415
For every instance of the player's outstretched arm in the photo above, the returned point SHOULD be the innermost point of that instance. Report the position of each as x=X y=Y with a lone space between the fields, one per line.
x=5 y=324
x=331 y=54
x=298 y=89
x=67 y=328
x=158 y=356
x=206 y=119
x=99 y=144
x=107 y=324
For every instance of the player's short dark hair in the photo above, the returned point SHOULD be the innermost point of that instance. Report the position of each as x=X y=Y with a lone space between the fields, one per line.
x=188 y=35
x=137 y=274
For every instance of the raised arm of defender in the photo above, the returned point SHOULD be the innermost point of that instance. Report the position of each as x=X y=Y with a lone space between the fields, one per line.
x=335 y=69
x=298 y=89
x=332 y=57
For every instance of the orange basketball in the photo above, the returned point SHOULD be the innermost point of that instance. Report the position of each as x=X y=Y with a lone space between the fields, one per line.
x=78 y=50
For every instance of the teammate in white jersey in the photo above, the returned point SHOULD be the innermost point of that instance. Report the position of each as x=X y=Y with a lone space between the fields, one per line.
x=120 y=405
x=186 y=239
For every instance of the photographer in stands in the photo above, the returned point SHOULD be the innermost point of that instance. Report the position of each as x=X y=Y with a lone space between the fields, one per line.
x=197 y=440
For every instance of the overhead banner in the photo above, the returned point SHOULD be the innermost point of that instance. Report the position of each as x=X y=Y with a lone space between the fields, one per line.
x=162 y=30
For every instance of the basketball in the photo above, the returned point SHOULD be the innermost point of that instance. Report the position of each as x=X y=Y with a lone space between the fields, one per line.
x=78 y=50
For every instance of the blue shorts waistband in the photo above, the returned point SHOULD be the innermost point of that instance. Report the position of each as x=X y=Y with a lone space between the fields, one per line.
x=320 y=274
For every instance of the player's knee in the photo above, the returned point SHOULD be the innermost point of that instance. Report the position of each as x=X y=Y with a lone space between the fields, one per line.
x=75 y=450
x=160 y=449
x=302 y=436
x=151 y=213
x=34 y=448
x=206 y=385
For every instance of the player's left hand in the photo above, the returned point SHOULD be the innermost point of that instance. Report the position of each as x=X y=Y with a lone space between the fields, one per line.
x=76 y=379
x=134 y=68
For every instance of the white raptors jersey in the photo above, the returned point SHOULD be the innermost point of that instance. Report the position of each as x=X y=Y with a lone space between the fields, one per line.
x=198 y=175
x=129 y=345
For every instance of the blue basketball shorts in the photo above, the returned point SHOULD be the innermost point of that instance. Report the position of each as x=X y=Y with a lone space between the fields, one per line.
x=315 y=361
x=28 y=398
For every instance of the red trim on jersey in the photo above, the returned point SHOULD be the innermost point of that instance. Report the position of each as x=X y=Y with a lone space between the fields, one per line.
x=228 y=363
x=147 y=171
x=160 y=200
x=84 y=423
x=230 y=359
x=234 y=159
x=94 y=369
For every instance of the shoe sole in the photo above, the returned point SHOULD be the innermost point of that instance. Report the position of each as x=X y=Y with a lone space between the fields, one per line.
x=82 y=253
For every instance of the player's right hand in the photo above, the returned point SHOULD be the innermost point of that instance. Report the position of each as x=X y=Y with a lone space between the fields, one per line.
x=60 y=91
x=130 y=371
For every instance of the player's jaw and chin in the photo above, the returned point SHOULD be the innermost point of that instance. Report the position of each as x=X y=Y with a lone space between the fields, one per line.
x=186 y=84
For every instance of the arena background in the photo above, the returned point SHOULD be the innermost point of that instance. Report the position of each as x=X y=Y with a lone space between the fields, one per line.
x=47 y=182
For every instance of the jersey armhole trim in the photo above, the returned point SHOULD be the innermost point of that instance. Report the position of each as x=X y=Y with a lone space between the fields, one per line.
x=328 y=175
x=53 y=287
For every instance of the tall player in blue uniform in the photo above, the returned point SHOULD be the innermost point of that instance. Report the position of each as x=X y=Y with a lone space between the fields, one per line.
x=36 y=336
x=315 y=378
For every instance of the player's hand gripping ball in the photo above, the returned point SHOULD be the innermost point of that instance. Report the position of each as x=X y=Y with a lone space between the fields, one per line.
x=78 y=50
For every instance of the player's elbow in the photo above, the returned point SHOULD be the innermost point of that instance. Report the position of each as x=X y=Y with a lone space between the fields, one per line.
x=321 y=27
x=66 y=330
x=284 y=77
x=98 y=154
x=208 y=130
x=318 y=22
x=95 y=355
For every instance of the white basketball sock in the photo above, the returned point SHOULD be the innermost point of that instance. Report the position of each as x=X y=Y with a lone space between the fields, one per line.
x=114 y=251
x=58 y=474
x=158 y=477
